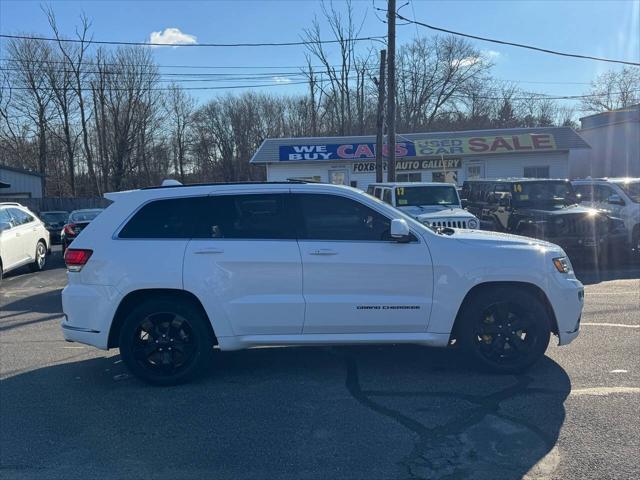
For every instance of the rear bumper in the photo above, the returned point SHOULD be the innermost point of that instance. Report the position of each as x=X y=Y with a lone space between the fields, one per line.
x=88 y=312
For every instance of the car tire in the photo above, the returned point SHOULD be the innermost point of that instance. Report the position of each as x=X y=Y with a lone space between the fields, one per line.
x=504 y=330
x=166 y=342
x=40 y=257
x=635 y=244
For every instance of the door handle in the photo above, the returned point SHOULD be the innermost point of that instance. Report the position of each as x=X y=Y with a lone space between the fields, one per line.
x=323 y=251
x=208 y=251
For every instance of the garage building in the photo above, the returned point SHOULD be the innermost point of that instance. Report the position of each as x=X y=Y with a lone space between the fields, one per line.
x=439 y=156
x=16 y=183
x=614 y=137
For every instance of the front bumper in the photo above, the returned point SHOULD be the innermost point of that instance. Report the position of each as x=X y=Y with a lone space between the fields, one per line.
x=566 y=295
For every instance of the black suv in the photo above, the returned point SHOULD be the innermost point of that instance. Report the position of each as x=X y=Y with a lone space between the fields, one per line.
x=548 y=210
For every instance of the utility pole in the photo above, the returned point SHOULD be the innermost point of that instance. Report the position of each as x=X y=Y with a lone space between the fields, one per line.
x=391 y=92
x=380 y=117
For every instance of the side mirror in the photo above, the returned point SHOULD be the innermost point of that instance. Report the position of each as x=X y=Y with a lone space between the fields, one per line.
x=615 y=199
x=400 y=230
x=464 y=203
x=4 y=226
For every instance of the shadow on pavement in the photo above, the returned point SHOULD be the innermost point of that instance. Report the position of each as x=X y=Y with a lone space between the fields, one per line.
x=590 y=275
x=352 y=412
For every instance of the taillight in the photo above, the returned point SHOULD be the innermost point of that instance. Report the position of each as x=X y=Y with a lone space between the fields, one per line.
x=76 y=258
x=68 y=229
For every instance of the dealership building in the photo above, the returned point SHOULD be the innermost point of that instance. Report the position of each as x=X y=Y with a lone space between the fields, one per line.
x=424 y=157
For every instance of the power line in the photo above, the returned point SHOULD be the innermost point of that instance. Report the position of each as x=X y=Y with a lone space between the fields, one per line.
x=519 y=45
x=152 y=44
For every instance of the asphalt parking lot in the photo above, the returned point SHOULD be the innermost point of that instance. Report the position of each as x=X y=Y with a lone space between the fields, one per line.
x=69 y=411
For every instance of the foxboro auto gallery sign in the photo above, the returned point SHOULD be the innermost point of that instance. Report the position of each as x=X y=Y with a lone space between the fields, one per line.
x=428 y=147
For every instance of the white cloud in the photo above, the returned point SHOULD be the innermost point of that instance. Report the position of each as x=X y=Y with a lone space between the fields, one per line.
x=491 y=53
x=466 y=62
x=281 y=79
x=172 y=36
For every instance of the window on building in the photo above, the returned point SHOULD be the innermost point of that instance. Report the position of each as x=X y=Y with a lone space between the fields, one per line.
x=450 y=176
x=474 y=172
x=409 y=177
x=330 y=217
x=536 y=172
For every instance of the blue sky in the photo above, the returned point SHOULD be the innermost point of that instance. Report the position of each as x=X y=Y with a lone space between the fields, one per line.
x=603 y=28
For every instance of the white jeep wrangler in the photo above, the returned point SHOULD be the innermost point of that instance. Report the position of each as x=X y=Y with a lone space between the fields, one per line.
x=432 y=204
x=166 y=273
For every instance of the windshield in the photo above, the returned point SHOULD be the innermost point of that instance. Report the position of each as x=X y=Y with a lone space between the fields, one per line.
x=54 y=217
x=542 y=194
x=632 y=189
x=426 y=195
x=83 y=215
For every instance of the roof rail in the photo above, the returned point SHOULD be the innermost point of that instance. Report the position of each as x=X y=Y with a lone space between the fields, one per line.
x=213 y=184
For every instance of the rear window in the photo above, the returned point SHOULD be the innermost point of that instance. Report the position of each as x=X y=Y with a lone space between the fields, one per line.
x=225 y=216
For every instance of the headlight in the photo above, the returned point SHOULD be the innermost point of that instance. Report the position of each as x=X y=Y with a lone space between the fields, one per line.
x=563 y=265
x=473 y=223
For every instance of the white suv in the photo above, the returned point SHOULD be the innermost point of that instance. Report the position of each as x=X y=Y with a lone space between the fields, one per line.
x=24 y=240
x=166 y=273
x=433 y=204
x=619 y=197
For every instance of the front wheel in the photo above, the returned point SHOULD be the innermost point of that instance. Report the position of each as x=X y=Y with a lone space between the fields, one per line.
x=166 y=342
x=40 y=257
x=504 y=330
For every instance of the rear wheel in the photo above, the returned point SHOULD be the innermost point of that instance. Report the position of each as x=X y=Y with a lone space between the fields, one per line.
x=166 y=342
x=40 y=257
x=505 y=330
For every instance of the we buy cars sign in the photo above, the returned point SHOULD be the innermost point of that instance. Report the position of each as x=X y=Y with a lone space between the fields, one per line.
x=427 y=147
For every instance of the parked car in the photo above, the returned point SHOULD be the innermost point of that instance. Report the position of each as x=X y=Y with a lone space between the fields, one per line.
x=24 y=240
x=164 y=274
x=433 y=204
x=78 y=220
x=54 y=222
x=618 y=197
x=548 y=210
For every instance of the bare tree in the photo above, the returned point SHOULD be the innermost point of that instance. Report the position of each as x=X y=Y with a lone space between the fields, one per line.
x=30 y=60
x=179 y=107
x=74 y=56
x=613 y=90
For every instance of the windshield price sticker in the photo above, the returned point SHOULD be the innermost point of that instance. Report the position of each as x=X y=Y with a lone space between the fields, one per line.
x=517 y=188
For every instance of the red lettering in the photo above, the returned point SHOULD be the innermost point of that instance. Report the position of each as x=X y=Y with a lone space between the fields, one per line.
x=363 y=150
x=343 y=153
x=517 y=146
x=477 y=144
x=541 y=141
x=500 y=142
x=401 y=150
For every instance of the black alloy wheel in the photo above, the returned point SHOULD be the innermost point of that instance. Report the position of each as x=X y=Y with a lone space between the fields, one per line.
x=505 y=330
x=165 y=343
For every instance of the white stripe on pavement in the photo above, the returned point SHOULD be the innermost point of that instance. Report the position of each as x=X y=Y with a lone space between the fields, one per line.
x=610 y=325
x=601 y=391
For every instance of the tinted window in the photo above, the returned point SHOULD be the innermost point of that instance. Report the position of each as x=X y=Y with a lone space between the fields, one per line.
x=330 y=217
x=252 y=216
x=225 y=216
x=84 y=215
x=585 y=191
x=387 y=195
